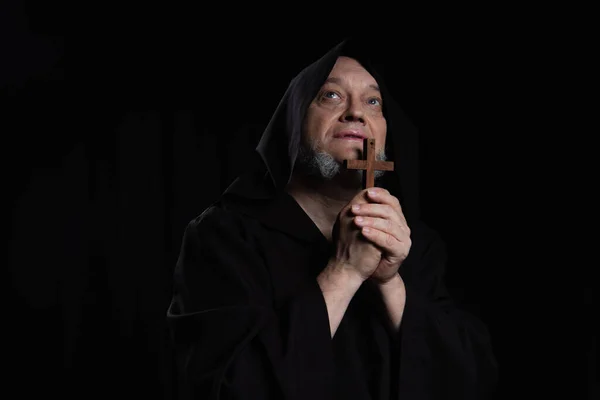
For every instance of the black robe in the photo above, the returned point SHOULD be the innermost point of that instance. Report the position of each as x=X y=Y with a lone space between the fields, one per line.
x=248 y=317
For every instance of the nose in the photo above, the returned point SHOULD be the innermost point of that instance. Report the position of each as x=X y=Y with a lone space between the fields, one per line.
x=353 y=113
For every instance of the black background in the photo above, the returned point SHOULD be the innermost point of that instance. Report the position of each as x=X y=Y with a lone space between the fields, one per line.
x=162 y=105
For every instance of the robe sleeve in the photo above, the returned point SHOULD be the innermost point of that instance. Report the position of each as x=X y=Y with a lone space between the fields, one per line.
x=443 y=349
x=229 y=339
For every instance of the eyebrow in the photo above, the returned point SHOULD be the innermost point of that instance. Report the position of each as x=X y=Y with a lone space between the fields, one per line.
x=334 y=79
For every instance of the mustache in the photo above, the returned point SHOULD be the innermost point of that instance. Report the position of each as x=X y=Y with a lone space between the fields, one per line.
x=312 y=147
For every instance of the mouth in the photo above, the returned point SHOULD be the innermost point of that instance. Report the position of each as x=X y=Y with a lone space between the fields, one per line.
x=350 y=135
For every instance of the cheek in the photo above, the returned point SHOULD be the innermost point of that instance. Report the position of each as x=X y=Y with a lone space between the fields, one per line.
x=318 y=123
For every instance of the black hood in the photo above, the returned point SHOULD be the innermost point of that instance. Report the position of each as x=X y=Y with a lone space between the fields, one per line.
x=278 y=147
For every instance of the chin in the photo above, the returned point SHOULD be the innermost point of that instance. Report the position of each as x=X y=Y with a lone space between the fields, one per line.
x=347 y=155
x=345 y=152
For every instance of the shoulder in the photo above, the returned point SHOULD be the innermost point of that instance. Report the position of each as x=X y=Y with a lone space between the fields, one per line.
x=215 y=215
x=221 y=219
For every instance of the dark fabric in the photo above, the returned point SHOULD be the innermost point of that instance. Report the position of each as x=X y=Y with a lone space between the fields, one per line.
x=249 y=320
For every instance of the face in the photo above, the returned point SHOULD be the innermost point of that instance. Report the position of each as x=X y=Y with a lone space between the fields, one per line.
x=347 y=108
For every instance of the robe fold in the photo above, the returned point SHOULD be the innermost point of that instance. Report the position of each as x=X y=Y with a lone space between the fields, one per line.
x=250 y=322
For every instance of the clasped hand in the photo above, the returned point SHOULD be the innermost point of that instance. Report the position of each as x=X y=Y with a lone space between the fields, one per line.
x=372 y=235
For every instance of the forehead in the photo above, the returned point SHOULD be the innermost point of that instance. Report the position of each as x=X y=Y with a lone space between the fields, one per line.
x=349 y=70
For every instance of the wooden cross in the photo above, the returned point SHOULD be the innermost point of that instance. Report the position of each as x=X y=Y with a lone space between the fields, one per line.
x=369 y=164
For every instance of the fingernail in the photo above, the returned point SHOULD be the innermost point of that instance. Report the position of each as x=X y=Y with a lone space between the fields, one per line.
x=359 y=219
x=372 y=192
x=355 y=207
x=366 y=230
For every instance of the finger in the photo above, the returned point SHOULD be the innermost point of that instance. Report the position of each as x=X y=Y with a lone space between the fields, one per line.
x=384 y=225
x=379 y=211
x=383 y=240
x=383 y=196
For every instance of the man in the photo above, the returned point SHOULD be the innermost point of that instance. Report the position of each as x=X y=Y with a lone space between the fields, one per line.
x=299 y=284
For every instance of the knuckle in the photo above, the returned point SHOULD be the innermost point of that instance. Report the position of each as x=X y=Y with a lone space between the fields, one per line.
x=375 y=223
x=389 y=239
x=388 y=224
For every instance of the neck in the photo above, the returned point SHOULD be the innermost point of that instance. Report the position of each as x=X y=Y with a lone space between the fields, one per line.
x=322 y=200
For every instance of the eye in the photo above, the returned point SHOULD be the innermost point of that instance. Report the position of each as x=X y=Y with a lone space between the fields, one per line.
x=330 y=95
x=374 y=101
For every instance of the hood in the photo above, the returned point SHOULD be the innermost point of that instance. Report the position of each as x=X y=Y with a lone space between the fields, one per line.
x=275 y=155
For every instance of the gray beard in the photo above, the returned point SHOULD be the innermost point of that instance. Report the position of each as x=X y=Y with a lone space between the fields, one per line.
x=319 y=164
